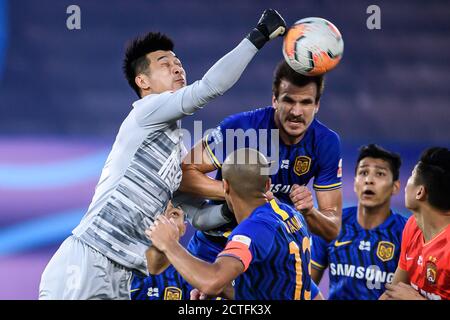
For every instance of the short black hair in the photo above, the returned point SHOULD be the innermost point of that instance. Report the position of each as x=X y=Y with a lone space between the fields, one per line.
x=135 y=60
x=284 y=72
x=375 y=151
x=433 y=172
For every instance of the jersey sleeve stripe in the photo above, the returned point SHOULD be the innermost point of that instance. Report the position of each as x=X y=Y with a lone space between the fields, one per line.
x=239 y=251
x=328 y=187
x=211 y=154
x=317 y=265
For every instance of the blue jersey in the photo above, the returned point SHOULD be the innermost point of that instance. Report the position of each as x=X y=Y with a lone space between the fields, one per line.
x=274 y=247
x=169 y=285
x=360 y=261
x=317 y=156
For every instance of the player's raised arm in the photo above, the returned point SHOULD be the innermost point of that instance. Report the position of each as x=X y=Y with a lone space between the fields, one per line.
x=173 y=104
x=210 y=279
x=195 y=166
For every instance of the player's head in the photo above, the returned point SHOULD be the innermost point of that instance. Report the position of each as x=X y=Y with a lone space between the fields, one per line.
x=150 y=65
x=177 y=215
x=430 y=181
x=296 y=100
x=245 y=175
x=376 y=175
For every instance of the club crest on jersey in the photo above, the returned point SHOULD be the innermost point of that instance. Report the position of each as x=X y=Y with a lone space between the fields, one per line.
x=302 y=165
x=172 y=293
x=431 y=271
x=385 y=250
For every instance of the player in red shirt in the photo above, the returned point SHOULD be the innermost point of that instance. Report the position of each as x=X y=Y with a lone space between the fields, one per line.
x=423 y=271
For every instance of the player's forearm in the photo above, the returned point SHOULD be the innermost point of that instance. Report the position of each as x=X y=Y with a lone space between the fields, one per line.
x=225 y=72
x=219 y=78
x=200 y=185
x=157 y=261
x=325 y=223
x=200 y=274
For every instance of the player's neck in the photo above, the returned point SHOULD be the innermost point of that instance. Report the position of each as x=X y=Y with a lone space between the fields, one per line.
x=244 y=207
x=431 y=221
x=372 y=217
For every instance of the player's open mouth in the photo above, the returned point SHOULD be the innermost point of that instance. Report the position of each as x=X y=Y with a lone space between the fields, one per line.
x=368 y=193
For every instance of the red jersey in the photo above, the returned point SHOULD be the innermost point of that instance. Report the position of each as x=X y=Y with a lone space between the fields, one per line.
x=428 y=264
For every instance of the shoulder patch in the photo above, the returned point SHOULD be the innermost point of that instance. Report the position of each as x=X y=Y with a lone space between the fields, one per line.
x=242 y=239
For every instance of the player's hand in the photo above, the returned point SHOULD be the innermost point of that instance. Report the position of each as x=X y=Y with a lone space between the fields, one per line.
x=401 y=291
x=270 y=25
x=302 y=199
x=198 y=295
x=163 y=233
x=270 y=196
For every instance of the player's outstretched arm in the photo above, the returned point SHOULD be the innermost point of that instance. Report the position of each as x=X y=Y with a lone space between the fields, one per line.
x=200 y=213
x=171 y=106
x=210 y=279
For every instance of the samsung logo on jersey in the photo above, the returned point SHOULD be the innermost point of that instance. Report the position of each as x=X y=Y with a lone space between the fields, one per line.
x=280 y=188
x=372 y=273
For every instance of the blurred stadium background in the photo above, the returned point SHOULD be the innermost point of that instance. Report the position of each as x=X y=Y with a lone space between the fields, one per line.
x=63 y=97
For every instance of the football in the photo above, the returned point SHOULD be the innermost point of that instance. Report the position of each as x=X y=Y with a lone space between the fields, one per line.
x=313 y=46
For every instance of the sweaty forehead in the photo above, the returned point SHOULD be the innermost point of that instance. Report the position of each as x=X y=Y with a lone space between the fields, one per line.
x=307 y=91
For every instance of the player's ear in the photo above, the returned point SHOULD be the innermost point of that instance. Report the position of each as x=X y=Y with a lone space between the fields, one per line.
x=226 y=186
x=421 y=193
x=274 y=102
x=317 y=107
x=142 y=81
x=396 y=187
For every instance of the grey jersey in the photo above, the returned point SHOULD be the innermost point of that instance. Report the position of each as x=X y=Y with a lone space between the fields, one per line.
x=143 y=168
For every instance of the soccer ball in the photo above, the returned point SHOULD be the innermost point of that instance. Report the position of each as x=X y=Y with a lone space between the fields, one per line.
x=313 y=46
